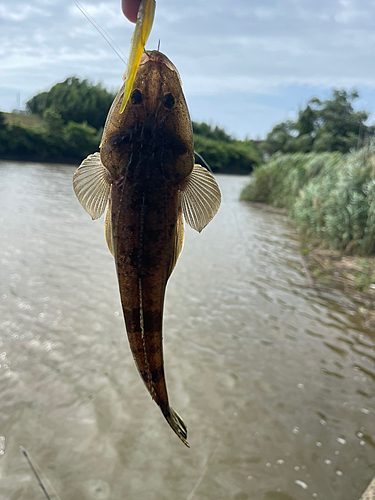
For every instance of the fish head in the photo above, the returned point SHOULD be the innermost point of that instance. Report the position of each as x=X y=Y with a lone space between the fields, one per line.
x=154 y=131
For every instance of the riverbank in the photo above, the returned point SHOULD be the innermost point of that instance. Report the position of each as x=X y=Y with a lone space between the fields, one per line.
x=54 y=137
x=331 y=200
x=330 y=269
x=330 y=197
x=40 y=159
x=352 y=275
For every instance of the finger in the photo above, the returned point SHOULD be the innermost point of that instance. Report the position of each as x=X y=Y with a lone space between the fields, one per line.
x=130 y=9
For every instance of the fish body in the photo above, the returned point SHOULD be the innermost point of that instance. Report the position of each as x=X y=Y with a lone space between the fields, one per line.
x=146 y=175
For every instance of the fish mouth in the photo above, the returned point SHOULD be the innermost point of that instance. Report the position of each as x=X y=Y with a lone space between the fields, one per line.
x=158 y=57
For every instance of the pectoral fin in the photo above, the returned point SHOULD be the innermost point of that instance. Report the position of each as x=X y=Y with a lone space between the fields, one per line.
x=179 y=237
x=200 y=198
x=108 y=228
x=92 y=185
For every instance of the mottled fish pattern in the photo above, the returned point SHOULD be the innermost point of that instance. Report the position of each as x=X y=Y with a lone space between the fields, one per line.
x=146 y=177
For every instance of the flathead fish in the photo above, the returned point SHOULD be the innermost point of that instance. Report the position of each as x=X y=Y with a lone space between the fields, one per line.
x=146 y=176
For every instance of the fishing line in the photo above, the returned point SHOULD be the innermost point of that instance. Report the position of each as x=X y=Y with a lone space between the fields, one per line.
x=42 y=487
x=204 y=161
x=205 y=468
x=104 y=34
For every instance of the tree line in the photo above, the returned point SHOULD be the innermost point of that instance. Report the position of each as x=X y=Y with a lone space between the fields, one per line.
x=321 y=169
x=328 y=125
x=72 y=116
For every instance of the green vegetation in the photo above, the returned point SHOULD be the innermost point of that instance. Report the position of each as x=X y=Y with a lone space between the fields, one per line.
x=322 y=169
x=75 y=101
x=330 y=196
x=23 y=119
x=51 y=140
x=365 y=274
x=65 y=124
x=279 y=181
x=330 y=125
x=223 y=153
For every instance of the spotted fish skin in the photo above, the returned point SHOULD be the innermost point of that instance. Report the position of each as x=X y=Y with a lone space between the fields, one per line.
x=153 y=143
x=146 y=176
x=143 y=226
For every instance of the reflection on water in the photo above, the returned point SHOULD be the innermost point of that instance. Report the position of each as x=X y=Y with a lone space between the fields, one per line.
x=275 y=381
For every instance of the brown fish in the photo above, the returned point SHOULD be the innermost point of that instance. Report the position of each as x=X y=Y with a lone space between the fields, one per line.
x=145 y=172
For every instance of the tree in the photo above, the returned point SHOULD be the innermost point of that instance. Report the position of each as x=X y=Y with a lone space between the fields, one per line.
x=3 y=124
x=217 y=134
x=75 y=100
x=280 y=137
x=329 y=125
x=237 y=157
x=81 y=139
x=53 y=121
x=222 y=152
x=337 y=119
x=306 y=122
x=3 y=133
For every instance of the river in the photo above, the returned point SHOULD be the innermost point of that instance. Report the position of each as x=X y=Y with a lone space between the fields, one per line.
x=274 y=380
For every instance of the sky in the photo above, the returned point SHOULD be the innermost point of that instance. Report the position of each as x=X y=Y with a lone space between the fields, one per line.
x=245 y=65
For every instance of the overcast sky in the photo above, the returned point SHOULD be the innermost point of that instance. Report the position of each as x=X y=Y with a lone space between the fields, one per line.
x=245 y=64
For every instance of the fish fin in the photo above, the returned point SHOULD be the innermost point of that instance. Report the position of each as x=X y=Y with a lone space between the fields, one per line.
x=92 y=185
x=179 y=238
x=200 y=198
x=177 y=424
x=142 y=30
x=108 y=228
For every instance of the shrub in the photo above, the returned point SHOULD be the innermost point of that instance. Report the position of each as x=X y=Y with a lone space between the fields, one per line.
x=330 y=196
x=236 y=157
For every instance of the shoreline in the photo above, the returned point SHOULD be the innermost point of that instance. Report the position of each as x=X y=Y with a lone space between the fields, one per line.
x=78 y=161
x=352 y=275
x=37 y=159
x=326 y=269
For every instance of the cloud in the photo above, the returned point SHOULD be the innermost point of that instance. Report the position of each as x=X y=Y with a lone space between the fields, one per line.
x=20 y=12
x=220 y=47
x=100 y=13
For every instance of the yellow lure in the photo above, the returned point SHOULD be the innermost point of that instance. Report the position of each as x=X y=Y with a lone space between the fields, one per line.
x=142 y=30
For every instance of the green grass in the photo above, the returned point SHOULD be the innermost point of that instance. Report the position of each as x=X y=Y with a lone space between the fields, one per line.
x=26 y=120
x=330 y=196
x=365 y=276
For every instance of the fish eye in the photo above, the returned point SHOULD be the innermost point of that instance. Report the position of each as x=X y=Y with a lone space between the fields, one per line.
x=136 y=97
x=168 y=101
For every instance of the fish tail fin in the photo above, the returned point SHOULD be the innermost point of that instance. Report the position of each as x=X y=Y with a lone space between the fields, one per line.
x=177 y=424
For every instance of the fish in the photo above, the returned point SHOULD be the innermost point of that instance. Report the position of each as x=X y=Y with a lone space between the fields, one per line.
x=146 y=179
x=145 y=20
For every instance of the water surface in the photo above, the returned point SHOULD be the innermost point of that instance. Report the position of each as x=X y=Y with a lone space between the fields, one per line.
x=274 y=380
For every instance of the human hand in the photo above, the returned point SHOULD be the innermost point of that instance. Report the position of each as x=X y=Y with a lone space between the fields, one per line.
x=130 y=9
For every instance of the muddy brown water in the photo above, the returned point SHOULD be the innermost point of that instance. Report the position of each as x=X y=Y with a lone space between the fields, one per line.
x=274 y=380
